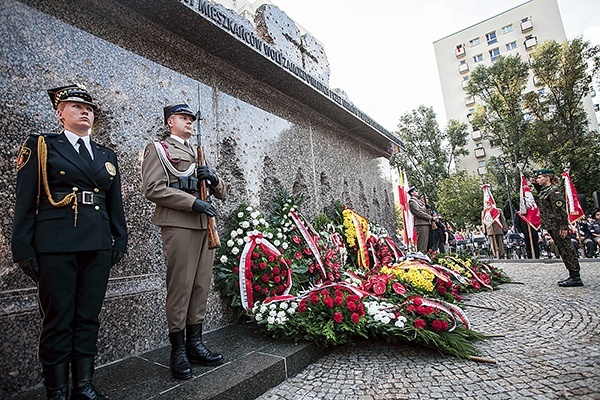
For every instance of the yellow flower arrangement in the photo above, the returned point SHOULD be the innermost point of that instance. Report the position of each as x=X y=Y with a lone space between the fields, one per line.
x=417 y=278
x=349 y=227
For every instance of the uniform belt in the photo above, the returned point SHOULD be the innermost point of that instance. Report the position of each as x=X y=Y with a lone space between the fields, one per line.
x=83 y=197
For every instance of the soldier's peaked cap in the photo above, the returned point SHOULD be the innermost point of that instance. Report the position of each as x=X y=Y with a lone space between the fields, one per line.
x=178 y=108
x=545 y=171
x=72 y=92
x=412 y=189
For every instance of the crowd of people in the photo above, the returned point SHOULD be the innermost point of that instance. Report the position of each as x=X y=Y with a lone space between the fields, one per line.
x=519 y=240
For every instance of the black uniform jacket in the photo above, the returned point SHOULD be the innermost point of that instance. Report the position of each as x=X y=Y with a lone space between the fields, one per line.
x=49 y=229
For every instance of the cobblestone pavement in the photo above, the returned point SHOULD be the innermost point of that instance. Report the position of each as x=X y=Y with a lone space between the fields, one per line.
x=551 y=350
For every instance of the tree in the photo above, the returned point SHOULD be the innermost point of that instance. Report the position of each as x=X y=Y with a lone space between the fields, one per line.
x=428 y=151
x=460 y=199
x=565 y=71
x=456 y=133
x=499 y=114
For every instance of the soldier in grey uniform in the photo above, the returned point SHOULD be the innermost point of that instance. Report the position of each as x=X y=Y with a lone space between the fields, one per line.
x=170 y=176
x=422 y=219
x=553 y=211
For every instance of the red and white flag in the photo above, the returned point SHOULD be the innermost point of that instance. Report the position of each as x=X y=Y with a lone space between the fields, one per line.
x=528 y=209
x=574 y=209
x=409 y=235
x=490 y=214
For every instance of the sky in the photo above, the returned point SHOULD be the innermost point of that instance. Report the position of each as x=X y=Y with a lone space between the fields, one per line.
x=380 y=52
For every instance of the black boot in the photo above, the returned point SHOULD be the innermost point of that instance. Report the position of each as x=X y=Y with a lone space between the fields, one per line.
x=56 y=381
x=83 y=372
x=574 y=280
x=180 y=366
x=196 y=351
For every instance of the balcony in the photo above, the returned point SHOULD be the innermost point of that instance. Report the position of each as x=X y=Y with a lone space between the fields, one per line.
x=469 y=100
x=481 y=170
x=476 y=135
x=460 y=51
x=462 y=68
x=526 y=26
x=464 y=84
x=479 y=152
x=530 y=43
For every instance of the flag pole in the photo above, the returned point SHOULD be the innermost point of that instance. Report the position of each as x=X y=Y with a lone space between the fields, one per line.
x=531 y=241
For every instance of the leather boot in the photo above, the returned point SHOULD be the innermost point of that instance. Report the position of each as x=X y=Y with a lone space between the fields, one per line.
x=180 y=366
x=83 y=372
x=56 y=381
x=574 y=280
x=196 y=351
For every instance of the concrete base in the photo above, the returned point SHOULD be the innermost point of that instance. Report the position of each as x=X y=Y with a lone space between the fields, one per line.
x=254 y=364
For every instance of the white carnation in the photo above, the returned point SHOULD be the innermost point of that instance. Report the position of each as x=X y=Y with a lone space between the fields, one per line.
x=235 y=250
x=230 y=243
x=223 y=259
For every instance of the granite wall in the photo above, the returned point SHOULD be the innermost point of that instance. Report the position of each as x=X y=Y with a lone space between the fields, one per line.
x=255 y=135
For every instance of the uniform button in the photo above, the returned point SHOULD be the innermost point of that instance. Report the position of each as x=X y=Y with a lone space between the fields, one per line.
x=111 y=178
x=62 y=172
x=97 y=208
x=96 y=190
x=75 y=189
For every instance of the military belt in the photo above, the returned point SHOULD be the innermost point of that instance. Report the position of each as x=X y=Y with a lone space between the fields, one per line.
x=83 y=197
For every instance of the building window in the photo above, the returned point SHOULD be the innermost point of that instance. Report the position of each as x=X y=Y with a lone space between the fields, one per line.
x=494 y=54
x=491 y=37
x=479 y=145
x=507 y=28
x=511 y=45
x=481 y=163
x=477 y=58
x=474 y=42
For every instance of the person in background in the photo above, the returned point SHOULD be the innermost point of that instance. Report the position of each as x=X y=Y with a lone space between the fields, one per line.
x=495 y=234
x=69 y=239
x=422 y=219
x=595 y=228
x=522 y=227
x=551 y=203
x=170 y=179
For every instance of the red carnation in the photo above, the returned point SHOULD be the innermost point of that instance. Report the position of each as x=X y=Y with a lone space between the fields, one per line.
x=338 y=317
x=302 y=306
x=355 y=318
x=298 y=255
x=442 y=289
x=307 y=251
x=265 y=290
x=276 y=271
x=338 y=300
x=236 y=270
x=328 y=301
x=420 y=324
x=296 y=239
x=437 y=325
x=255 y=255
x=263 y=265
x=379 y=288
x=257 y=288
x=276 y=278
x=281 y=288
x=265 y=278
x=351 y=306
x=417 y=301
x=271 y=258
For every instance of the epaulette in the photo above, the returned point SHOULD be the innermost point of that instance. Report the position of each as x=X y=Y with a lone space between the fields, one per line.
x=44 y=134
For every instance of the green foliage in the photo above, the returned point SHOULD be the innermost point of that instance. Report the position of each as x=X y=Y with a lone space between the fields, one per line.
x=561 y=125
x=460 y=199
x=425 y=158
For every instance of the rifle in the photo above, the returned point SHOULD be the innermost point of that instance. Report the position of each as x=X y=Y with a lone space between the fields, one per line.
x=213 y=235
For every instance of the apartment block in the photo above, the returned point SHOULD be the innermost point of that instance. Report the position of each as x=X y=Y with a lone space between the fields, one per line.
x=516 y=31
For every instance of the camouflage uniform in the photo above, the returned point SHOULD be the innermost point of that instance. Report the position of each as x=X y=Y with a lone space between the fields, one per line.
x=551 y=203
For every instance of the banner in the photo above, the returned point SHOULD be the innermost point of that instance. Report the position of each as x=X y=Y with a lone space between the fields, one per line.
x=409 y=235
x=574 y=209
x=490 y=214
x=528 y=209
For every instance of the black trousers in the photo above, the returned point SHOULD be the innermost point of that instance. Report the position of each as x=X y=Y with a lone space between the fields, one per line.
x=71 y=291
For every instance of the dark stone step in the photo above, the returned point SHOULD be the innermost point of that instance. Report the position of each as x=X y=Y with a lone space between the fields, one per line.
x=253 y=364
